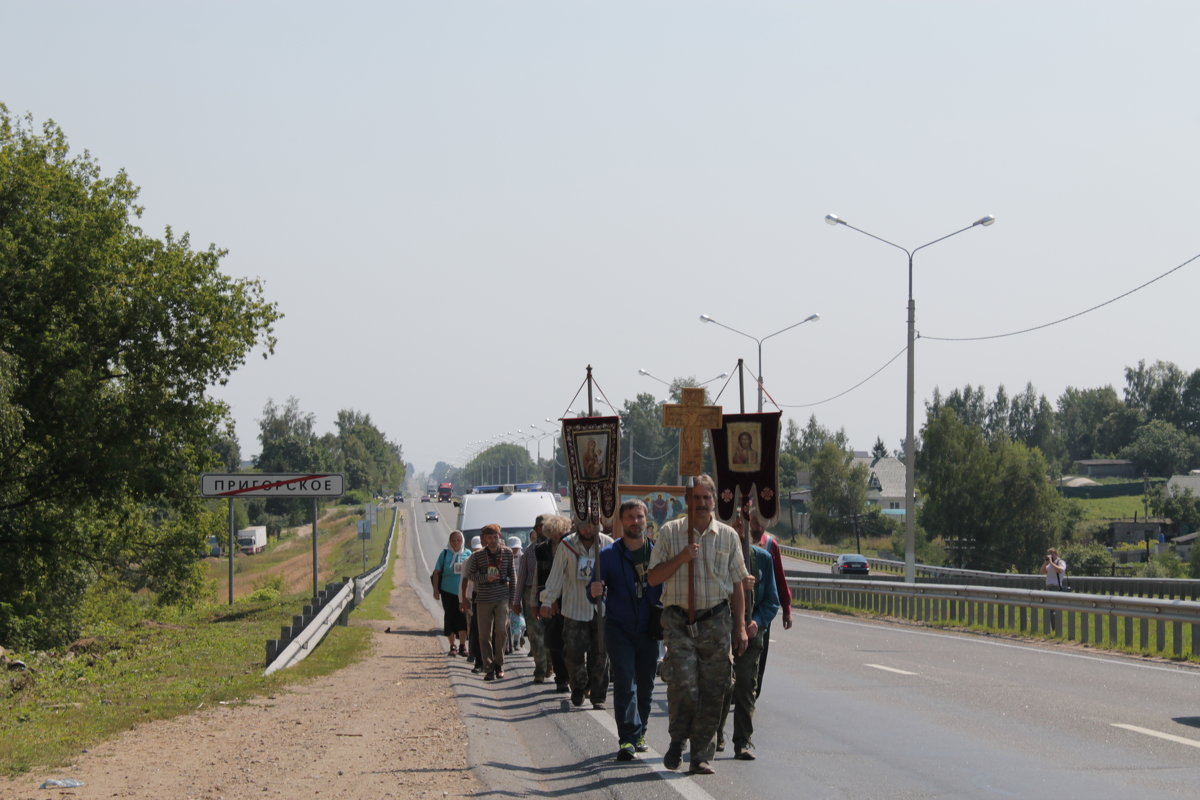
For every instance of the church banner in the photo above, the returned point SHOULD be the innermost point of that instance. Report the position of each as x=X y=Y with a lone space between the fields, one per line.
x=746 y=462
x=593 y=447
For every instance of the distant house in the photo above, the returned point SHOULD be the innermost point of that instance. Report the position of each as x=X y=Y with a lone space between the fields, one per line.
x=1183 y=545
x=1177 y=484
x=885 y=483
x=1105 y=468
x=1135 y=532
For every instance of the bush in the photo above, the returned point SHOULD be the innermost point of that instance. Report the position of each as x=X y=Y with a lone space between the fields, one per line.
x=1087 y=559
x=1163 y=565
x=356 y=497
x=267 y=588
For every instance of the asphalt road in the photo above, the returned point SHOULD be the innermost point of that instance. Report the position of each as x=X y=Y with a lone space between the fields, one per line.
x=857 y=709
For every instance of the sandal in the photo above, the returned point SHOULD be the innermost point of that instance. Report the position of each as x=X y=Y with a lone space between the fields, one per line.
x=462 y=650
x=453 y=651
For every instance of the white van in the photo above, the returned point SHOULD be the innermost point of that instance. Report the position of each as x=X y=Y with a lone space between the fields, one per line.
x=513 y=507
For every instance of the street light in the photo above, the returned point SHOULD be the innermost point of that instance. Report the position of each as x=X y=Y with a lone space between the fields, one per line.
x=910 y=455
x=809 y=318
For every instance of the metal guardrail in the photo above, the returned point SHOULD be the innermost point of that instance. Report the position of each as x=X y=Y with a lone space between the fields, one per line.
x=330 y=607
x=1163 y=626
x=1171 y=588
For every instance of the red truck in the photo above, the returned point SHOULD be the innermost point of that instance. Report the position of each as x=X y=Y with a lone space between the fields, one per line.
x=445 y=490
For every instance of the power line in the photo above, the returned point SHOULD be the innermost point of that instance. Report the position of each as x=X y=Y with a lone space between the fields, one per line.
x=1064 y=319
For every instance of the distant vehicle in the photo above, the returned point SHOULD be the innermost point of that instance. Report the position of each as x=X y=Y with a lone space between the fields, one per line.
x=513 y=507
x=253 y=539
x=445 y=490
x=432 y=516
x=851 y=564
x=214 y=547
x=399 y=498
x=426 y=499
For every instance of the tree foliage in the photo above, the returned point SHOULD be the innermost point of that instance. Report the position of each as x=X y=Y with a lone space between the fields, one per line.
x=839 y=492
x=109 y=340
x=989 y=501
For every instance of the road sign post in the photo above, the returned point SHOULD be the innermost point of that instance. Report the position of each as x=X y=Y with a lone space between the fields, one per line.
x=283 y=485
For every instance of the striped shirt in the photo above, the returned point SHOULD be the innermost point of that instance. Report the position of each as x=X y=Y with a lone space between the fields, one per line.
x=476 y=571
x=718 y=566
x=570 y=575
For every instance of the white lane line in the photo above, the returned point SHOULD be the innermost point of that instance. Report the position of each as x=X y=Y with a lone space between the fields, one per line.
x=889 y=669
x=1045 y=651
x=679 y=781
x=1159 y=734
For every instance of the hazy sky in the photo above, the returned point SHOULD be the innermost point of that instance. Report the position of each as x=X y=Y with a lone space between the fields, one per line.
x=459 y=206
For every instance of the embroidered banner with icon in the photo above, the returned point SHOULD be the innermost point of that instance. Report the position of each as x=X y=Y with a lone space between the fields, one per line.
x=746 y=463
x=593 y=449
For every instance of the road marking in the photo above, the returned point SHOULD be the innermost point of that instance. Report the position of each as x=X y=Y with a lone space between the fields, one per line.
x=679 y=781
x=1177 y=670
x=1159 y=735
x=889 y=669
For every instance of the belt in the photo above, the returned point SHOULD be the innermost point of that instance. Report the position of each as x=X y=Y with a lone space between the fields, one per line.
x=706 y=613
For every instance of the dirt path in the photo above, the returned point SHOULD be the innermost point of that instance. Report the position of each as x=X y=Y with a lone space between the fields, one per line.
x=387 y=727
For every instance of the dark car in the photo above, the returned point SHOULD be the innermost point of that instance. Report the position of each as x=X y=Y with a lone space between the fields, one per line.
x=432 y=516
x=851 y=564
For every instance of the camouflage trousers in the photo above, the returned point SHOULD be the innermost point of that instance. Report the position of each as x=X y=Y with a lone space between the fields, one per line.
x=536 y=634
x=586 y=657
x=743 y=694
x=698 y=671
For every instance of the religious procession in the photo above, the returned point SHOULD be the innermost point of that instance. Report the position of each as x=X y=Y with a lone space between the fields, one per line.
x=605 y=598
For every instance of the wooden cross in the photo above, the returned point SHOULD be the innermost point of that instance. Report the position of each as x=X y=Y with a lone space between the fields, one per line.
x=691 y=417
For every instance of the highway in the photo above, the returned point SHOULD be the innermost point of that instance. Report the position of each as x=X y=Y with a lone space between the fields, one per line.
x=858 y=709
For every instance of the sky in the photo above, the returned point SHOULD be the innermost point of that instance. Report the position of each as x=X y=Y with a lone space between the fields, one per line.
x=460 y=206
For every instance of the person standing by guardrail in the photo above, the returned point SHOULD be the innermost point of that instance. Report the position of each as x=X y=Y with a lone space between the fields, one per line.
x=491 y=571
x=1055 y=570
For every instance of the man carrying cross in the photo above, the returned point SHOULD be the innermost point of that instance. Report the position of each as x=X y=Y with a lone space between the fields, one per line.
x=697 y=667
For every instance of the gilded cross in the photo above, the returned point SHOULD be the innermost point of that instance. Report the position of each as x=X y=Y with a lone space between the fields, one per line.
x=691 y=417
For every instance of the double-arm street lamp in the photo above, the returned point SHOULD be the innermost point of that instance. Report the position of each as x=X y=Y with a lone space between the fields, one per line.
x=759 y=342
x=910 y=449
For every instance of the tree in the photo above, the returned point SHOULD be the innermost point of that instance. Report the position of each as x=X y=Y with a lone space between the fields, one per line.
x=1182 y=508
x=366 y=457
x=1160 y=448
x=880 y=449
x=1094 y=422
x=839 y=492
x=990 y=502
x=1156 y=391
x=109 y=340
x=644 y=441
x=289 y=443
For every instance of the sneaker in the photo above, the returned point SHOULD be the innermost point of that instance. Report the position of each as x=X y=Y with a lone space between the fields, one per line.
x=673 y=756
x=640 y=745
x=625 y=752
x=576 y=698
x=491 y=676
x=701 y=768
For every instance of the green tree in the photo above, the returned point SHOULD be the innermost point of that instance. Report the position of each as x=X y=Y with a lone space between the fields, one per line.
x=1182 y=508
x=990 y=502
x=1087 y=559
x=839 y=492
x=109 y=340
x=880 y=449
x=365 y=455
x=289 y=443
x=1159 y=448
x=643 y=436
x=1094 y=422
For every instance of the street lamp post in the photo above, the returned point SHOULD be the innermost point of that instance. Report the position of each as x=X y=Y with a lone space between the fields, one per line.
x=759 y=342
x=910 y=454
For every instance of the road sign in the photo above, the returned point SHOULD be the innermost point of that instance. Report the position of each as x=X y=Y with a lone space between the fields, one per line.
x=255 y=484
x=364 y=529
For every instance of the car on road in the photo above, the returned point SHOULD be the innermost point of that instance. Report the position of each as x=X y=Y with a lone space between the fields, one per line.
x=432 y=516
x=426 y=498
x=850 y=564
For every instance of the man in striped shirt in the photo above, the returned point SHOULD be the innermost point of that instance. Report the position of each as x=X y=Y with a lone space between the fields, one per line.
x=697 y=668
x=491 y=572
x=583 y=622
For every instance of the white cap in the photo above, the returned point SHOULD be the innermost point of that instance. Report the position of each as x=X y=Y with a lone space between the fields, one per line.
x=515 y=542
x=476 y=544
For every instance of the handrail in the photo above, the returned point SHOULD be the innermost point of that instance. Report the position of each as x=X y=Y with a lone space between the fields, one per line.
x=1026 y=610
